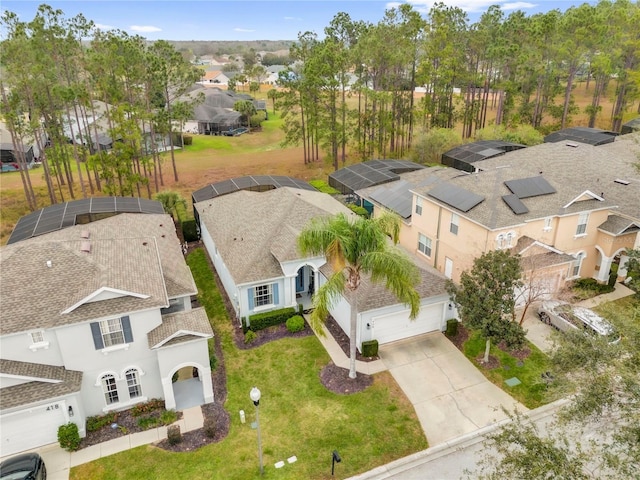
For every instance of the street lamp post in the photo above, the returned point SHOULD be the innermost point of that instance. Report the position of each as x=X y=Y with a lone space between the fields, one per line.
x=255 y=396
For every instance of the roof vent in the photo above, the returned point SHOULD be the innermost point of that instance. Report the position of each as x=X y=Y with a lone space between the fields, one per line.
x=49 y=264
x=571 y=144
x=85 y=234
x=621 y=181
x=85 y=247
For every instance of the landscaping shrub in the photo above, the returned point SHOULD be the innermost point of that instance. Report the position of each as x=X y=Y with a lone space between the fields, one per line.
x=591 y=287
x=260 y=321
x=452 y=327
x=295 y=324
x=189 y=230
x=370 y=348
x=173 y=435
x=187 y=140
x=147 y=407
x=213 y=360
x=146 y=423
x=168 y=417
x=210 y=427
x=69 y=437
x=359 y=210
x=99 y=421
x=323 y=187
x=250 y=337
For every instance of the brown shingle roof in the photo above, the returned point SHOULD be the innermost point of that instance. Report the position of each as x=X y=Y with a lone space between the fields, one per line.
x=66 y=382
x=251 y=228
x=190 y=325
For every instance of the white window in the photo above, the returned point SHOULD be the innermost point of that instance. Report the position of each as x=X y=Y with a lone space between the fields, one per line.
x=509 y=240
x=455 y=219
x=37 y=337
x=500 y=241
x=418 y=205
x=110 y=389
x=263 y=295
x=112 y=332
x=547 y=224
x=577 y=264
x=133 y=383
x=582 y=223
x=424 y=244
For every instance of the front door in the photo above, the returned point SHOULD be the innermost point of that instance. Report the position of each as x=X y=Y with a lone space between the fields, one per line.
x=448 y=267
x=300 y=280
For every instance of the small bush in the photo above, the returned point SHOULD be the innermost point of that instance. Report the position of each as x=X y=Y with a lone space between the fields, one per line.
x=210 y=427
x=146 y=423
x=173 y=435
x=147 y=407
x=323 y=187
x=370 y=348
x=452 y=327
x=187 y=140
x=99 y=421
x=189 y=230
x=168 y=417
x=250 y=337
x=69 y=437
x=295 y=324
x=359 y=210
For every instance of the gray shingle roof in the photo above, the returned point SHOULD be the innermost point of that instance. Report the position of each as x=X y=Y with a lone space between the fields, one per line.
x=248 y=228
x=66 y=382
x=130 y=252
x=190 y=325
x=618 y=225
x=570 y=170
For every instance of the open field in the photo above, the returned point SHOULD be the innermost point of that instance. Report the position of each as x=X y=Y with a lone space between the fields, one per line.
x=211 y=159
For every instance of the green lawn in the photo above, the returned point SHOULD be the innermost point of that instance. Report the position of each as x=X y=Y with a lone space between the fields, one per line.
x=532 y=392
x=298 y=416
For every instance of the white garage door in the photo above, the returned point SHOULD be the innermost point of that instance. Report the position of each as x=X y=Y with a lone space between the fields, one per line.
x=398 y=326
x=31 y=428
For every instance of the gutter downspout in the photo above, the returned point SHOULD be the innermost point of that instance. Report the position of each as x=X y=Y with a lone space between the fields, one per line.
x=435 y=255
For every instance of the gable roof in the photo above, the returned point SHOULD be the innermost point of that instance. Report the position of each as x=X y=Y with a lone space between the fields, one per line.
x=251 y=229
x=129 y=253
x=180 y=327
x=605 y=172
x=46 y=382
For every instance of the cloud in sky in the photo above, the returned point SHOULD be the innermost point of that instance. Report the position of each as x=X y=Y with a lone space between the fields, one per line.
x=101 y=26
x=145 y=28
x=424 y=6
x=518 y=6
x=244 y=30
x=293 y=18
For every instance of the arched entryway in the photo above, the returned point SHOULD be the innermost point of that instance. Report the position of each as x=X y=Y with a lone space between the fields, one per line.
x=305 y=284
x=189 y=384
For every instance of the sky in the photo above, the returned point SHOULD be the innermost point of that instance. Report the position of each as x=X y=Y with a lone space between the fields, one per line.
x=248 y=19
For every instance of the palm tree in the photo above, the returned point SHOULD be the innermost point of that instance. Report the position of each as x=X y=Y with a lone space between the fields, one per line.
x=170 y=202
x=246 y=108
x=355 y=248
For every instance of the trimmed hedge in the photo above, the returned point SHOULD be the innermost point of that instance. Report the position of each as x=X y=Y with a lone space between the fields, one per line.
x=189 y=230
x=295 y=324
x=69 y=437
x=323 y=187
x=370 y=348
x=452 y=327
x=260 y=321
x=363 y=212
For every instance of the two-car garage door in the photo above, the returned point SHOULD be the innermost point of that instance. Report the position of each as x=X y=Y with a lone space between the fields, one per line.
x=397 y=326
x=31 y=428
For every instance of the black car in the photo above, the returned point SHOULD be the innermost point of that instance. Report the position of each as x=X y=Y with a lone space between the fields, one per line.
x=28 y=466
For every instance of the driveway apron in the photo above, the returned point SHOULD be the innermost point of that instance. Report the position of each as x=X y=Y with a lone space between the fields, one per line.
x=449 y=394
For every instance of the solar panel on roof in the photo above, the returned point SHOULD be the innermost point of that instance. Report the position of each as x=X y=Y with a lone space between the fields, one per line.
x=530 y=187
x=455 y=196
x=515 y=204
x=102 y=205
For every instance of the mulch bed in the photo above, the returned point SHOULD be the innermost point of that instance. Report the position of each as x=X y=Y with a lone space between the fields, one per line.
x=462 y=335
x=334 y=378
x=343 y=340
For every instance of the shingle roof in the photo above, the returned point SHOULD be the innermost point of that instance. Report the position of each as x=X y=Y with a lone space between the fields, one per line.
x=128 y=252
x=570 y=170
x=618 y=225
x=66 y=382
x=247 y=227
x=189 y=325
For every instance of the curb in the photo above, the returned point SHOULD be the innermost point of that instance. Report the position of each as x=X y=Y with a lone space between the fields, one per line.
x=432 y=453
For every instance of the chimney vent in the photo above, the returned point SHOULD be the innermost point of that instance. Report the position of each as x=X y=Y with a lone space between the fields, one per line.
x=49 y=263
x=85 y=247
x=85 y=234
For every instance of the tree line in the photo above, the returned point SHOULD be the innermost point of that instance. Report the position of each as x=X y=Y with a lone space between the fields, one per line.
x=69 y=95
x=517 y=65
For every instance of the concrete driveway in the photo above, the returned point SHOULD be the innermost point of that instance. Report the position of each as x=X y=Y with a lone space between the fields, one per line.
x=450 y=396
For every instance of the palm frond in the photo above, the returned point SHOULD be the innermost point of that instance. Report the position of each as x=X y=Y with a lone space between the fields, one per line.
x=325 y=298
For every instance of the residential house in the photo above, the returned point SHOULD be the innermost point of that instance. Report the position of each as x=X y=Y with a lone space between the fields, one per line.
x=96 y=318
x=261 y=269
x=572 y=207
x=214 y=76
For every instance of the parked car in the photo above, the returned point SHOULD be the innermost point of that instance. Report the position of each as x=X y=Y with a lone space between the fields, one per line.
x=28 y=466
x=565 y=317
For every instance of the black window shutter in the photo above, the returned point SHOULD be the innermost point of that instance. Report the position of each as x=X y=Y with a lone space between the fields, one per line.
x=126 y=328
x=97 y=336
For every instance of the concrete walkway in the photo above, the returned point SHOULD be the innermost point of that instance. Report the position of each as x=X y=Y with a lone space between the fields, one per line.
x=59 y=461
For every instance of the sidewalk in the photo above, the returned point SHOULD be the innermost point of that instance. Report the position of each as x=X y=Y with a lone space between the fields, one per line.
x=620 y=291
x=59 y=461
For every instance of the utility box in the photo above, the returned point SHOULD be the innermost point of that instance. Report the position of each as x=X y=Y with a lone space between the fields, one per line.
x=242 y=417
